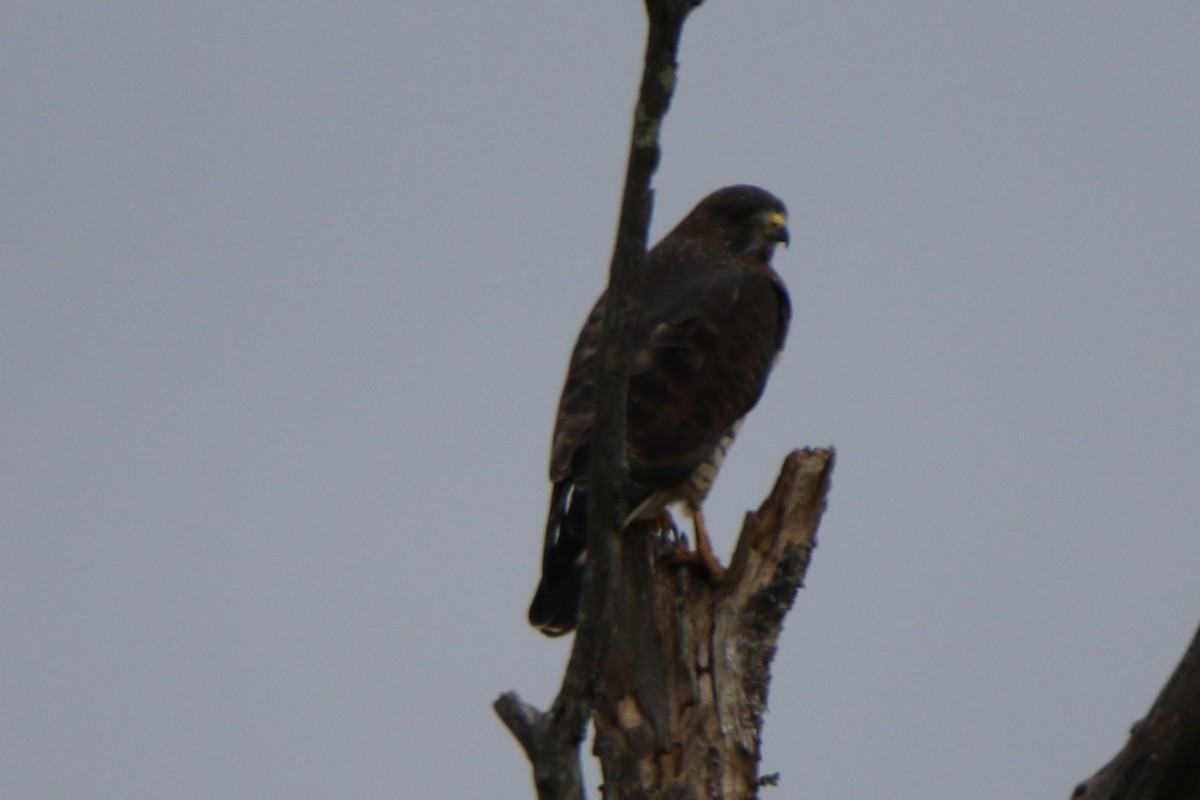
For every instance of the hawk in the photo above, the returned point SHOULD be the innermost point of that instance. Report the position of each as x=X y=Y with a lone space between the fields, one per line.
x=713 y=317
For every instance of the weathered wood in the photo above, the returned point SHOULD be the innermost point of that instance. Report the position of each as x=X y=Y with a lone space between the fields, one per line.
x=555 y=760
x=680 y=699
x=1161 y=759
x=684 y=687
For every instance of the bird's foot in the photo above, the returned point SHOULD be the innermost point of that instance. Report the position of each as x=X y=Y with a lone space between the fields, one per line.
x=705 y=561
x=703 y=556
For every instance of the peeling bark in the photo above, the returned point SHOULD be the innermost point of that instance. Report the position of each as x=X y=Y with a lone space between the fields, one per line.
x=684 y=688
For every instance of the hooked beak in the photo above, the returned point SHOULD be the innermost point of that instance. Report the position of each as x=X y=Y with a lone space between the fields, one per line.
x=775 y=228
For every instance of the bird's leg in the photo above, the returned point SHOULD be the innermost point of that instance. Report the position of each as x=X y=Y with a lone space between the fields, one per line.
x=703 y=554
x=704 y=548
x=665 y=524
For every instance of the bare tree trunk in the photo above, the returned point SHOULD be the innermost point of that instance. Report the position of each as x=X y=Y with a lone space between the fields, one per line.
x=675 y=670
x=1161 y=760
x=684 y=686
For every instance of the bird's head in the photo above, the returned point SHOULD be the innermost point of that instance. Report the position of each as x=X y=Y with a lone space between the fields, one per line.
x=746 y=219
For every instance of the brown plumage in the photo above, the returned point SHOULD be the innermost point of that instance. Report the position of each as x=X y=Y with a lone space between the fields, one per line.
x=713 y=318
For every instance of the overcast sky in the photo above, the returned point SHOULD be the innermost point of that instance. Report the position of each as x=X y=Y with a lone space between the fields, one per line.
x=286 y=297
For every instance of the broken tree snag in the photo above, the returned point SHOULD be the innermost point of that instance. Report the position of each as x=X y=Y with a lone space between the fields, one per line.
x=555 y=758
x=1161 y=760
x=682 y=694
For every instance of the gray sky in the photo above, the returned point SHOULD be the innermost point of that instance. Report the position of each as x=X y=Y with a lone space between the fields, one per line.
x=286 y=299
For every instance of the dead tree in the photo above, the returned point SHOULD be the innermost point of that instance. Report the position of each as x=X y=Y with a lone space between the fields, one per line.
x=674 y=670
x=683 y=688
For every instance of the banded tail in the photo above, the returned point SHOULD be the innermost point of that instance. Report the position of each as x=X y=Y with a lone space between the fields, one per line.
x=555 y=607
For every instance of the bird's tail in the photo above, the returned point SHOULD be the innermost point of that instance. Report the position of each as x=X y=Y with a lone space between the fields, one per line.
x=555 y=607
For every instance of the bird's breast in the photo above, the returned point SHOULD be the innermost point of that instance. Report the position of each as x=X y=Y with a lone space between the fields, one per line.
x=700 y=482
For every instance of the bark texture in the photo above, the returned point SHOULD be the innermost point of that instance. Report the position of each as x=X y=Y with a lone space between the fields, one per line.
x=684 y=686
x=1161 y=759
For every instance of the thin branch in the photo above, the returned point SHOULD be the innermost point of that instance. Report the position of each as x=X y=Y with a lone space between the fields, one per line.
x=522 y=719
x=607 y=448
x=554 y=770
x=558 y=734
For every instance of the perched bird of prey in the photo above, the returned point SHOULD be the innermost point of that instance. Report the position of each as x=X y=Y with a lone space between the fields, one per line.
x=713 y=317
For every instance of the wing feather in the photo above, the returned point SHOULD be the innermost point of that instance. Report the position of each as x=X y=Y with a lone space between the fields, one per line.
x=708 y=333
